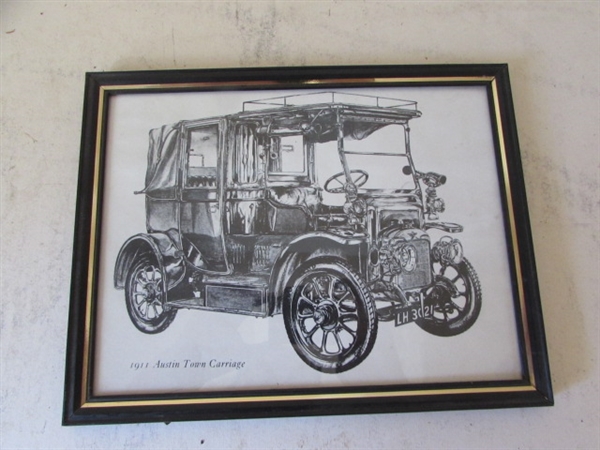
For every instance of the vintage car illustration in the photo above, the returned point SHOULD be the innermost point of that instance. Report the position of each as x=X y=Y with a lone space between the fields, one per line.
x=309 y=206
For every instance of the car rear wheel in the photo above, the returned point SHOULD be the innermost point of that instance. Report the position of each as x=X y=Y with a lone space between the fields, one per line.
x=145 y=296
x=329 y=316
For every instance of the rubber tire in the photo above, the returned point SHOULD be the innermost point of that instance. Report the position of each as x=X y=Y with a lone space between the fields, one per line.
x=146 y=325
x=366 y=322
x=465 y=320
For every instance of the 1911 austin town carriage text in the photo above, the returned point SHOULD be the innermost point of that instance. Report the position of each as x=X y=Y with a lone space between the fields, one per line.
x=237 y=222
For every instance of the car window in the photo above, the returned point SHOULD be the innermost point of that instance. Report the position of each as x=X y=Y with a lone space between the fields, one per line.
x=287 y=155
x=203 y=146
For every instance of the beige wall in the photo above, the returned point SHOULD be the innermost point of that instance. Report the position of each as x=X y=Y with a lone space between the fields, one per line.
x=46 y=47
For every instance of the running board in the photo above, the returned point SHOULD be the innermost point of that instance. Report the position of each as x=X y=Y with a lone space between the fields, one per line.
x=232 y=299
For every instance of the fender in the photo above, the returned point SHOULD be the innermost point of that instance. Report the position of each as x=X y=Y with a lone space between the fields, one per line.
x=308 y=246
x=169 y=257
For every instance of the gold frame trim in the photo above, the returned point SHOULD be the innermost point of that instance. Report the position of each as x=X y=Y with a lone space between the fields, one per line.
x=316 y=82
x=296 y=397
x=86 y=388
x=513 y=234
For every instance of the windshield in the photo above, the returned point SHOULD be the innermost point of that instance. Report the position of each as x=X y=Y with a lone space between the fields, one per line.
x=382 y=154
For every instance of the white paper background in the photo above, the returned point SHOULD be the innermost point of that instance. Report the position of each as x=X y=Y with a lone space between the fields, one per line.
x=452 y=137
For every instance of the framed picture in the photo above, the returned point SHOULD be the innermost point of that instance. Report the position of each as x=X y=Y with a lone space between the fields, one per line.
x=301 y=241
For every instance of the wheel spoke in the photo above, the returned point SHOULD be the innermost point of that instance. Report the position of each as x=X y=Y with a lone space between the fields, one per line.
x=459 y=308
x=310 y=301
x=348 y=329
x=154 y=310
x=462 y=293
x=348 y=307
x=143 y=298
x=349 y=316
x=343 y=297
x=305 y=292
x=308 y=334
x=324 y=342
x=307 y=300
x=331 y=283
x=316 y=288
x=139 y=283
x=338 y=341
x=140 y=299
x=143 y=276
x=143 y=309
x=305 y=314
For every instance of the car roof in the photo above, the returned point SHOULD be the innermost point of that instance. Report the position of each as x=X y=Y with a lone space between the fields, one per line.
x=316 y=104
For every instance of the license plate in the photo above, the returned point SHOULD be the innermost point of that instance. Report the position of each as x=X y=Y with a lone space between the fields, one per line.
x=412 y=313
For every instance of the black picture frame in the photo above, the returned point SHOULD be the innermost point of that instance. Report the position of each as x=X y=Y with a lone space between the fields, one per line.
x=82 y=403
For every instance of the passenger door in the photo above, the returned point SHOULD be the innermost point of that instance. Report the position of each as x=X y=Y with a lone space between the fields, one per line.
x=201 y=213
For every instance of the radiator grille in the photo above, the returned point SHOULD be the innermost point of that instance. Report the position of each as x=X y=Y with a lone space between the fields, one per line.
x=420 y=276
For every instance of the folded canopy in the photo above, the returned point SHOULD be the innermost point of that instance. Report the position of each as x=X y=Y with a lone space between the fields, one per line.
x=163 y=162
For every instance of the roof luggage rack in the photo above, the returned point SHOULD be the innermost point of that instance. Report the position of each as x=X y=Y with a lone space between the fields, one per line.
x=331 y=97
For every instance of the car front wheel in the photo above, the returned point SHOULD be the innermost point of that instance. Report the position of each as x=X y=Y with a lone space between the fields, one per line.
x=455 y=299
x=329 y=316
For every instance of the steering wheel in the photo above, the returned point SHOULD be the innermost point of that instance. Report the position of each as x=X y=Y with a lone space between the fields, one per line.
x=358 y=181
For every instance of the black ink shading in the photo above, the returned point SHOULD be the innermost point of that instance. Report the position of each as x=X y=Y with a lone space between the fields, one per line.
x=237 y=222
